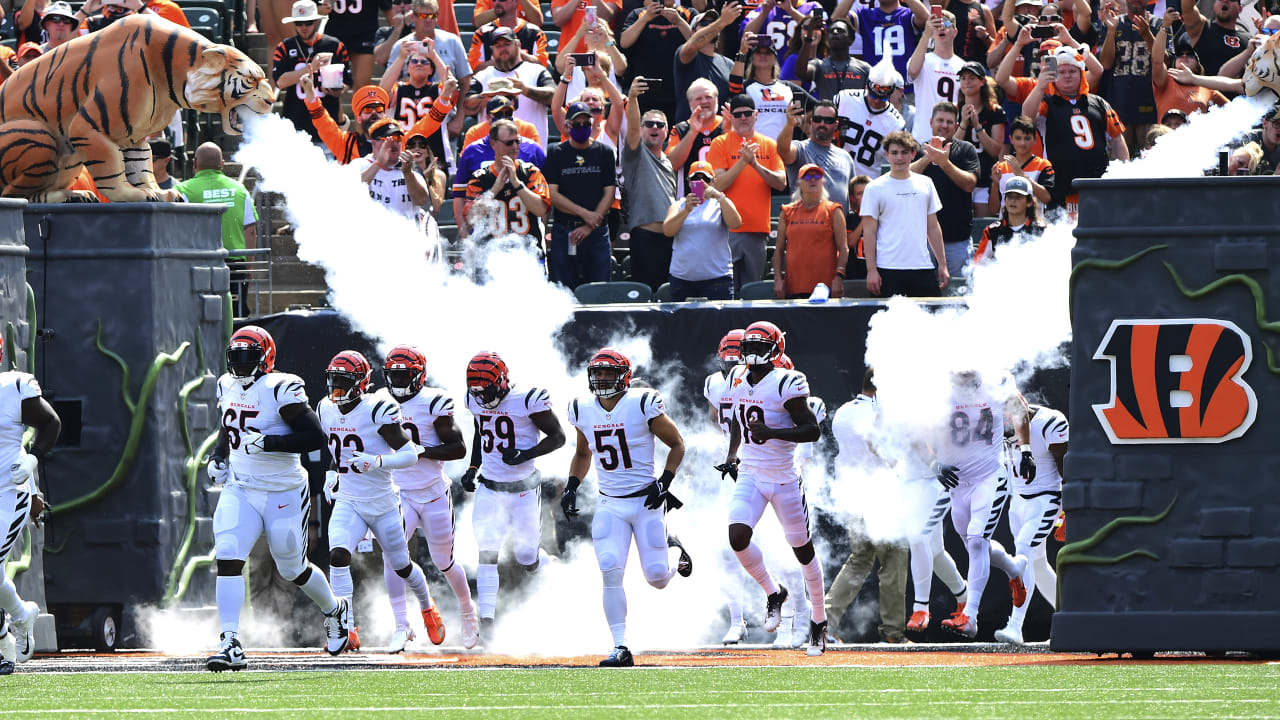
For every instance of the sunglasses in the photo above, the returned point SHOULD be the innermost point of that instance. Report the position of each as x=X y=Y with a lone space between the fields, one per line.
x=1269 y=31
x=584 y=124
x=306 y=23
x=947 y=24
x=427 y=16
x=823 y=120
x=373 y=108
x=1050 y=19
x=811 y=176
x=391 y=136
x=743 y=113
x=416 y=144
x=60 y=21
x=503 y=114
x=419 y=61
x=654 y=124
x=508 y=143
x=700 y=176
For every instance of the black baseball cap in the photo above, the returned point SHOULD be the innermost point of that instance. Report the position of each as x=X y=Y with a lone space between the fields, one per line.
x=498 y=103
x=741 y=101
x=160 y=148
x=974 y=67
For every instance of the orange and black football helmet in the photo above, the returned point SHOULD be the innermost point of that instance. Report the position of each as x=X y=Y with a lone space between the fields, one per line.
x=406 y=371
x=761 y=343
x=730 y=350
x=783 y=362
x=609 y=373
x=250 y=354
x=348 y=377
x=487 y=379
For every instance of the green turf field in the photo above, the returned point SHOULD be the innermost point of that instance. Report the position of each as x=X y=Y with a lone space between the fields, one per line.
x=1122 y=691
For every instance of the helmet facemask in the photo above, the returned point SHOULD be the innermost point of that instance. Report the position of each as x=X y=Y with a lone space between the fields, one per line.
x=606 y=380
x=403 y=382
x=344 y=387
x=487 y=396
x=244 y=363
x=758 y=351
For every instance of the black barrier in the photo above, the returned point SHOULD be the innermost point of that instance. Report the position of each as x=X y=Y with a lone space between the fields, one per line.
x=1172 y=475
x=133 y=316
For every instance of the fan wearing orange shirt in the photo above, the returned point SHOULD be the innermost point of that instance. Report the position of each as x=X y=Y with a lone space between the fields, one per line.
x=1023 y=163
x=812 y=245
x=569 y=14
x=485 y=12
x=1170 y=90
x=748 y=170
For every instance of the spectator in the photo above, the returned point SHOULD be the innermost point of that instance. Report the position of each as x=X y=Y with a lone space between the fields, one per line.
x=355 y=24
x=98 y=14
x=1077 y=149
x=29 y=20
x=510 y=75
x=1017 y=85
x=1019 y=221
x=426 y=163
x=569 y=15
x=533 y=42
x=209 y=186
x=935 y=74
x=1174 y=93
x=701 y=261
x=838 y=70
x=501 y=107
x=486 y=11
x=161 y=156
x=368 y=104
x=780 y=22
x=748 y=169
x=580 y=174
x=1173 y=119
x=169 y=10
x=900 y=227
x=890 y=29
x=609 y=59
x=691 y=139
x=698 y=59
x=819 y=149
x=952 y=164
x=480 y=155
x=304 y=54
x=601 y=97
x=756 y=74
x=1023 y=16
x=518 y=187
x=447 y=45
x=1215 y=42
x=651 y=187
x=857 y=266
x=58 y=23
x=402 y=23
x=982 y=123
x=394 y=182
x=1267 y=140
x=975 y=29
x=412 y=101
x=27 y=52
x=869 y=117
x=1155 y=133
x=652 y=35
x=1023 y=163
x=1127 y=54
x=1228 y=80
x=812 y=245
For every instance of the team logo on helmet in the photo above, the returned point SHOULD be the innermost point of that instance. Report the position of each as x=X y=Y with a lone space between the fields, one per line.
x=406 y=371
x=347 y=376
x=783 y=362
x=251 y=353
x=487 y=379
x=730 y=350
x=761 y=343
x=609 y=373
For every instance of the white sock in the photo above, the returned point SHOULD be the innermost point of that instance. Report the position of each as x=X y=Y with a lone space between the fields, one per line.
x=1046 y=578
x=945 y=568
x=732 y=584
x=396 y=594
x=812 y=572
x=753 y=562
x=317 y=588
x=487 y=590
x=1002 y=559
x=418 y=582
x=457 y=578
x=921 y=572
x=979 y=571
x=340 y=579
x=615 y=606
x=229 y=592
x=9 y=599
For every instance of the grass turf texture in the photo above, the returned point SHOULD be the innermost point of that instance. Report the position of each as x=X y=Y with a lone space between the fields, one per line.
x=1060 y=691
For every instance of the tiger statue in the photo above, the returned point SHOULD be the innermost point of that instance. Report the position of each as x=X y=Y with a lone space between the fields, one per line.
x=1262 y=73
x=93 y=102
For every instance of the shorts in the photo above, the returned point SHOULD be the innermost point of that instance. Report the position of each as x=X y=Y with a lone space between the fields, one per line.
x=349 y=523
x=497 y=515
x=15 y=510
x=243 y=515
x=751 y=496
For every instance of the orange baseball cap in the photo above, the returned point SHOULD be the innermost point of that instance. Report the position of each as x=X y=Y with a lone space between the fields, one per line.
x=702 y=166
x=368 y=95
x=810 y=167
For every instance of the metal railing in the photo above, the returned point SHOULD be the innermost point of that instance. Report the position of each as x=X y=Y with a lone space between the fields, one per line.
x=254 y=274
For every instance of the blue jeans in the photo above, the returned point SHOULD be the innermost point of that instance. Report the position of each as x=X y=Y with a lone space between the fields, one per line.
x=589 y=263
x=720 y=288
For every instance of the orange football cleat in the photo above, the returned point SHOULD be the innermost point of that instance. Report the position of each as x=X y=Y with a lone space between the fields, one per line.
x=961 y=624
x=919 y=621
x=1017 y=591
x=1060 y=532
x=435 y=625
x=353 y=639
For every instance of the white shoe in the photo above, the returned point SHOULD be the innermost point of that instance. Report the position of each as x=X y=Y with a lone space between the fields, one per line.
x=400 y=638
x=24 y=631
x=735 y=634
x=230 y=655
x=1009 y=634
x=470 y=630
x=799 y=630
x=337 y=627
x=785 y=629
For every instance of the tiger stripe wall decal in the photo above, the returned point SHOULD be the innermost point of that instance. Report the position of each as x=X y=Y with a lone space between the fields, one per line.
x=93 y=102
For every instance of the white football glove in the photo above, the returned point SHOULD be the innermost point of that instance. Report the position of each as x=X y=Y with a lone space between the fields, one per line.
x=23 y=469
x=219 y=470
x=330 y=485
x=364 y=462
x=252 y=442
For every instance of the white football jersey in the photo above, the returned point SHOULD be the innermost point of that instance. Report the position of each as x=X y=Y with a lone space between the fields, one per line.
x=973 y=439
x=766 y=403
x=937 y=82
x=357 y=431
x=771 y=106
x=14 y=388
x=508 y=427
x=854 y=428
x=1048 y=427
x=805 y=451
x=257 y=408
x=714 y=389
x=621 y=441
x=866 y=130
x=418 y=414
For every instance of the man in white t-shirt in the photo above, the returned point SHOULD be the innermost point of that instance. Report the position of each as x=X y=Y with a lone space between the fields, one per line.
x=390 y=174
x=935 y=73
x=510 y=75
x=900 y=227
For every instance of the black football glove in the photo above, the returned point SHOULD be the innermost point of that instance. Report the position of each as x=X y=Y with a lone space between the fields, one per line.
x=469 y=479
x=729 y=469
x=1027 y=466
x=946 y=475
x=511 y=456
x=569 y=498
x=659 y=493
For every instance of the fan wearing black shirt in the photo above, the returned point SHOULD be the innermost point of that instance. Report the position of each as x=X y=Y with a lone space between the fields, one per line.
x=953 y=167
x=581 y=175
x=305 y=53
x=1218 y=41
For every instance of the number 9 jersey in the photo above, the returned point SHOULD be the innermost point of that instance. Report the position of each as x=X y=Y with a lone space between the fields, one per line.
x=621 y=441
x=508 y=427
x=257 y=409
x=973 y=439
x=770 y=460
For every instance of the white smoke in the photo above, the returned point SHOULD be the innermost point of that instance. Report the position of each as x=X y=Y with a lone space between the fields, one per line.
x=1193 y=148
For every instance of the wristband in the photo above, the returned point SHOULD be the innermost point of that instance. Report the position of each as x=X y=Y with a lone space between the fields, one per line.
x=610 y=44
x=572 y=484
x=840 y=273
x=565 y=79
x=1024 y=448
x=36 y=452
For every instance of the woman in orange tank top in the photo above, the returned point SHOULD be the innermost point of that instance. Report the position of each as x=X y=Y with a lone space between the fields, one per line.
x=812 y=245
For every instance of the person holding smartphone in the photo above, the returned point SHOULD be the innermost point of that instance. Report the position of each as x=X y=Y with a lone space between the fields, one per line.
x=651 y=37
x=700 y=224
x=651 y=186
x=820 y=149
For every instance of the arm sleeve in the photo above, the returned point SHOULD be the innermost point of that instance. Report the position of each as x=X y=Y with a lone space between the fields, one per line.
x=477 y=46
x=331 y=135
x=540 y=49
x=430 y=124
x=280 y=63
x=405 y=457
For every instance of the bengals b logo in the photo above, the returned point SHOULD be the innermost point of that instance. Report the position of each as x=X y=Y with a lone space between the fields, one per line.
x=1176 y=381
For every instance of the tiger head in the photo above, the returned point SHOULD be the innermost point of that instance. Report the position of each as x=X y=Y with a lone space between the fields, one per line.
x=1263 y=71
x=226 y=82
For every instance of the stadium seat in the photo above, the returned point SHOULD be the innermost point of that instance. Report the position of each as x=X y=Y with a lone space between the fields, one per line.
x=466 y=39
x=465 y=13
x=979 y=224
x=663 y=294
x=225 y=9
x=624 y=267
x=758 y=290
x=205 y=21
x=605 y=293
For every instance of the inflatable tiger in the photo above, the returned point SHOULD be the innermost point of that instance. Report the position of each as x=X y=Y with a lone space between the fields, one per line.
x=93 y=102
x=1262 y=73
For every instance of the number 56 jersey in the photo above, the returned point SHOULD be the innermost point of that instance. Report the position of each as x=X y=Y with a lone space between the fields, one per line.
x=973 y=437
x=508 y=427
x=257 y=409
x=772 y=460
x=620 y=439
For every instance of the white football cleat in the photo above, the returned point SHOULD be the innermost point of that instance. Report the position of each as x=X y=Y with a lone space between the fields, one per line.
x=1010 y=634
x=470 y=630
x=24 y=631
x=230 y=655
x=817 y=639
x=337 y=628
x=735 y=634
x=773 y=609
x=400 y=638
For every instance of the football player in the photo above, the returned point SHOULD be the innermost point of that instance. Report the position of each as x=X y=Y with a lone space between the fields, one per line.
x=427 y=415
x=1034 y=507
x=969 y=464
x=21 y=405
x=266 y=425
x=867 y=118
x=367 y=442
x=771 y=416
x=929 y=556
x=508 y=421
x=617 y=426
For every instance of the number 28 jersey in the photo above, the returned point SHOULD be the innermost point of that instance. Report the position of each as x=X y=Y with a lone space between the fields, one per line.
x=766 y=402
x=257 y=409
x=865 y=129
x=620 y=439
x=973 y=439
x=425 y=479
x=358 y=431
x=508 y=427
